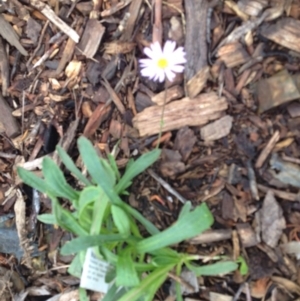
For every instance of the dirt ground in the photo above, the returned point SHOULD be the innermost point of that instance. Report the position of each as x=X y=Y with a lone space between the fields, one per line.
x=230 y=131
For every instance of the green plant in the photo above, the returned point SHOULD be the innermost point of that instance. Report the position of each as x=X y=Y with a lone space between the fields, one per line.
x=102 y=220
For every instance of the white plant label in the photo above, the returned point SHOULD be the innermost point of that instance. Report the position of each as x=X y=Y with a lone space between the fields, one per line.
x=94 y=272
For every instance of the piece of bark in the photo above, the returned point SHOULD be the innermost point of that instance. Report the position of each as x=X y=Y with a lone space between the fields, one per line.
x=99 y=115
x=115 y=98
x=9 y=34
x=277 y=90
x=184 y=142
x=247 y=235
x=210 y=236
x=267 y=150
x=134 y=10
x=294 y=109
x=8 y=121
x=168 y=95
x=50 y=14
x=234 y=7
x=217 y=129
x=91 y=38
x=272 y=220
x=65 y=58
x=252 y=7
x=195 y=85
x=287 y=173
x=115 y=8
x=4 y=66
x=289 y=196
x=195 y=42
x=284 y=32
x=180 y=113
x=233 y=55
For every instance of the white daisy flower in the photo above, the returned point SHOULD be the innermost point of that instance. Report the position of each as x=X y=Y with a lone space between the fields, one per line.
x=164 y=62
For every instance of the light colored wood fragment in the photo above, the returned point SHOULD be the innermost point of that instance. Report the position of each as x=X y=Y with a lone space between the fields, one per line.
x=115 y=8
x=50 y=15
x=240 y=13
x=289 y=196
x=217 y=129
x=9 y=34
x=91 y=38
x=180 y=113
x=197 y=82
x=267 y=150
x=172 y=93
x=277 y=90
x=247 y=235
x=285 y=33
x=210 y=236
x=233 y=55
x=252 y=7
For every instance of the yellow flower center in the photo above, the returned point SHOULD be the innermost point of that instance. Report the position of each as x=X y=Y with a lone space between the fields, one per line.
x=162 y=63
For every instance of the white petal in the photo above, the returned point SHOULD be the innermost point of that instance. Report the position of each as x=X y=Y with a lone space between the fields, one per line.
x=169 y=48
x=161 y=76
x=148 y=72
x=149 y=52
x=170 y=75
x=145 y=62
x=177 y=68
x=156 y=50
x=178 y=56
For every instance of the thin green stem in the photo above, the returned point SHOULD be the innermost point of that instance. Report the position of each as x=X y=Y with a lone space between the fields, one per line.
x=162 y=117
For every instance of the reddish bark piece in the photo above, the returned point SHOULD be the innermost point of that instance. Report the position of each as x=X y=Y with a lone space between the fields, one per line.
x=99 y=115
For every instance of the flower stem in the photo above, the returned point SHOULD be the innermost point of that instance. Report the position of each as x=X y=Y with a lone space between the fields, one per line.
x=162 y=117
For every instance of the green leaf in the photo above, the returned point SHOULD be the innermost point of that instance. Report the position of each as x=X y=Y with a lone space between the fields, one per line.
x=75 y=268
x=126 y=273
x=185 y=209
x=121 y=220
x=101 y=205
x=219 y=268
x=135 y=168
x=56 y=181
x=32 y=180
x=65 y=219
x=47 y=218
x=188 y=226
x=70 y=165
x=243 y=265
x=87 y=197
x=148 y=286
x=114 y=293
x=97 y=169
x=85 y=242
x=83 y=296
x=114 y=165
x=139 y=217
